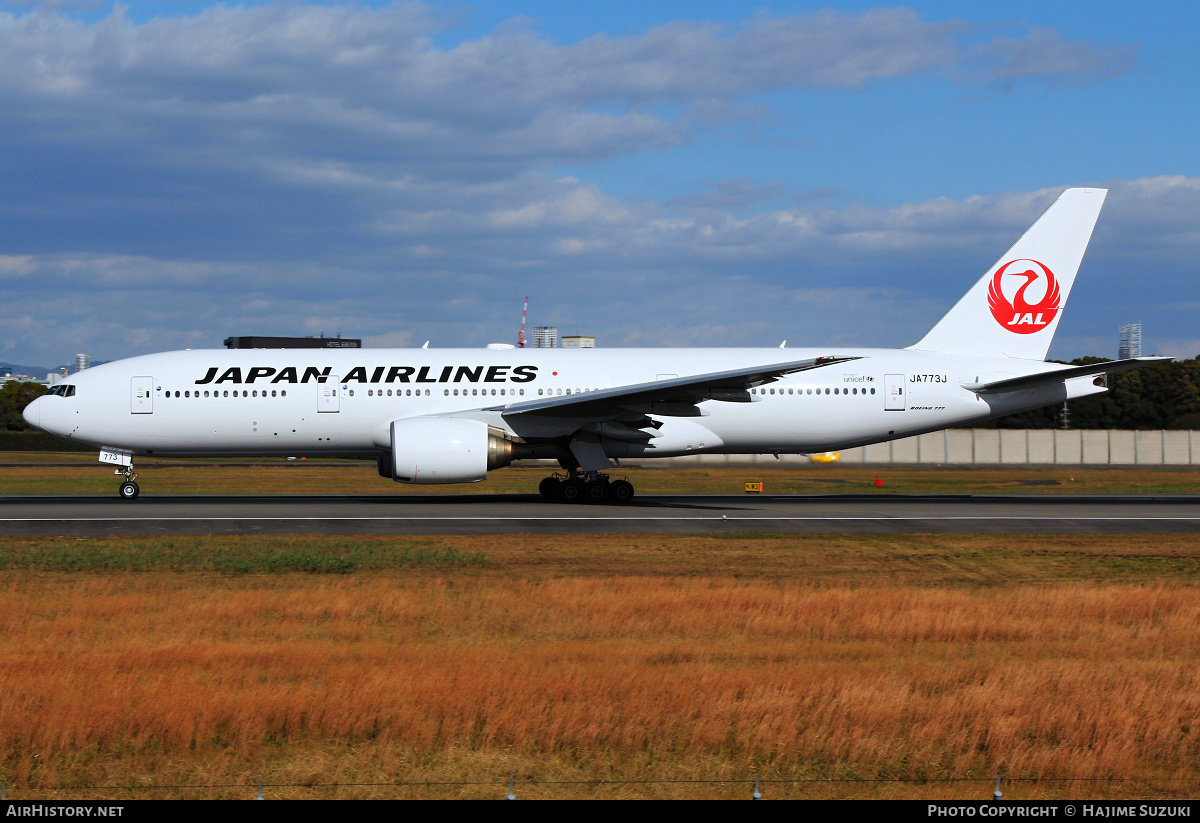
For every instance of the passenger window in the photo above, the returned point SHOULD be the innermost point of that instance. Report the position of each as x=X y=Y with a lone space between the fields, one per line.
x=283 y=392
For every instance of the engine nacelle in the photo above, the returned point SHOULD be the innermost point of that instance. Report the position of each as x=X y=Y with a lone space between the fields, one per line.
x=429 y=450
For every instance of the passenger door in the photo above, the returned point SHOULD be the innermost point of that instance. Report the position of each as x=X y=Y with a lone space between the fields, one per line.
x=141 y=395
x=894 y=399
x=329 y=397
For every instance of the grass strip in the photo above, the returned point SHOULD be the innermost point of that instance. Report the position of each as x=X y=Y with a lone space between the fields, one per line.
x=316 y=477
x=233 y=556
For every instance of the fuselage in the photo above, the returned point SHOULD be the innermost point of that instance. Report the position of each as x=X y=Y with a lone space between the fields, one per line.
x=341 y=402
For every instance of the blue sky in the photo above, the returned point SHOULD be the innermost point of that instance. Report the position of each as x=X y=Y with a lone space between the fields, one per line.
x=650 y=173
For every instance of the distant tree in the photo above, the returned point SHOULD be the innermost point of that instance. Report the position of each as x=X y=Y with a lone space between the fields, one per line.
x=14 y=397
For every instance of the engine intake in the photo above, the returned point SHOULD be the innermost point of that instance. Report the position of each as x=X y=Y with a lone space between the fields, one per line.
x=427 y=450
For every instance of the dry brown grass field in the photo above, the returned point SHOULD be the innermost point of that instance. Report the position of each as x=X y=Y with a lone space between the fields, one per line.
x=86 y=476
x=843 y=666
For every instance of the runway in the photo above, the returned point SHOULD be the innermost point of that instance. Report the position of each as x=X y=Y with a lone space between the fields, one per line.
x=662 y=514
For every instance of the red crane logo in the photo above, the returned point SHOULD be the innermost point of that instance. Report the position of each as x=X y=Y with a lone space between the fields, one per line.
x=1020 y=316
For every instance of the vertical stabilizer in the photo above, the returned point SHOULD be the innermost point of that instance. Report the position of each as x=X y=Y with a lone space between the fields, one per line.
x=1014 y=309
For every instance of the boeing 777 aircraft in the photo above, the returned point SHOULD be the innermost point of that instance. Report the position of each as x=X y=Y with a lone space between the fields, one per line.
x=450 y=416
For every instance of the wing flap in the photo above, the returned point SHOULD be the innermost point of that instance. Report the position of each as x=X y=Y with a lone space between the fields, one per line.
x=674 y=397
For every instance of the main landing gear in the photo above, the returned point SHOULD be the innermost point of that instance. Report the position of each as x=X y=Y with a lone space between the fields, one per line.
x=129 y=489
x=586 y=487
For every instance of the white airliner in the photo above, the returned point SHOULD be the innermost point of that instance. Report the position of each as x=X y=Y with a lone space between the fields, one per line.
x=450 y=416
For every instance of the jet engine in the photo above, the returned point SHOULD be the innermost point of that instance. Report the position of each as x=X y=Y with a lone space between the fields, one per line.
x=430 y=450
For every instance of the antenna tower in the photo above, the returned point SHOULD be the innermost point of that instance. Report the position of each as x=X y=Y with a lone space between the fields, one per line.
x=521 y=333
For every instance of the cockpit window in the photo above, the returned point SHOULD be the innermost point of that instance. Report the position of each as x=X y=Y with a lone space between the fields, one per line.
x=62 y=390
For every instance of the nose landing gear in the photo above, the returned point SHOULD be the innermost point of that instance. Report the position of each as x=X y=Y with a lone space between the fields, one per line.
x=586 y=487
x=129 y=489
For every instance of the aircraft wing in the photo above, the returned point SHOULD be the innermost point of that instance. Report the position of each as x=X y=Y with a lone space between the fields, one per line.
x=676 y=396
x=1049 y=378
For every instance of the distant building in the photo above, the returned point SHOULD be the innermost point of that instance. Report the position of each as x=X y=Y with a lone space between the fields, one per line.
x=1130 y=341
x=292 y=343
x=578 y=342
x=545 y=337
x=82 y=361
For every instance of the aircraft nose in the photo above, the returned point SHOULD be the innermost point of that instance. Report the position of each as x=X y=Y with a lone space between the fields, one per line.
x=33 y=413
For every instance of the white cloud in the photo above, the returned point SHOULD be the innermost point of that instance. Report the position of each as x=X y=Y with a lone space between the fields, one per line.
x=1179 y=348
x=304 y=169
x=15 y=265
x=1043 y=54
x=632 y=275
x=242 y=86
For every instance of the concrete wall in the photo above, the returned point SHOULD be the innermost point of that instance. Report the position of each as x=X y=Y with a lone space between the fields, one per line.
x=991 y=447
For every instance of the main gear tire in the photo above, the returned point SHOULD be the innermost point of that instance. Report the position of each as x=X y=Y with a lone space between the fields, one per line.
x=550 y=488
x=572 y=491
x=620 y=492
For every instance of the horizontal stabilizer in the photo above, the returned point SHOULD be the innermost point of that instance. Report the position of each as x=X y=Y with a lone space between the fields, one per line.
x=1048 y=378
